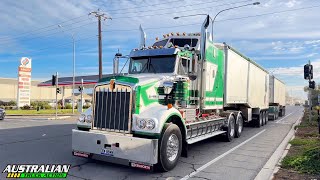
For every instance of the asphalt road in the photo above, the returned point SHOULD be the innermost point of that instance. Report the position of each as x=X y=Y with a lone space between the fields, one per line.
x=38 y=141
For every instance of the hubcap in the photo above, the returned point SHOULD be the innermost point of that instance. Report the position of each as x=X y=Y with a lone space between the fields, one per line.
x=261 y=119
x=172 y=147
x=231 y=128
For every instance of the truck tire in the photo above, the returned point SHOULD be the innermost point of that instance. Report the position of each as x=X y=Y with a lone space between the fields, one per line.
x=259 y=120
x=170 y=146
x=265 y=117
x=230 y=130
x=239 y=126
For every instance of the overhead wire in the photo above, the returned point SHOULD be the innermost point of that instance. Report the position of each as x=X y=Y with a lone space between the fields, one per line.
x=46 y=27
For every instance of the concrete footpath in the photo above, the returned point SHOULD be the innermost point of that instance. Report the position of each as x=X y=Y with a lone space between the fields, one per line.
x=272 y=165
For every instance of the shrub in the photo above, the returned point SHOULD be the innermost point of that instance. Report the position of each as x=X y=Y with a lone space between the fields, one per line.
x=47 y=106
x=68 y=106
x=86 y=106
x=25 y=107
x=12 y=103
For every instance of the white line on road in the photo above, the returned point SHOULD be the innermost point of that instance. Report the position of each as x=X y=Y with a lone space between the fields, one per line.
x=219 y=157
x=283 y=118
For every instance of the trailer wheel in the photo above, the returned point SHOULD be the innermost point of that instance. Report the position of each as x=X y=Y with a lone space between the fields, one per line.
x=239 y=126
x=229 y=135
x=170 y=146
x=266 y=117
x=259 y=120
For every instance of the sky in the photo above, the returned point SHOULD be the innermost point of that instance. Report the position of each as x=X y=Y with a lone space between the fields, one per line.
x=280 y=35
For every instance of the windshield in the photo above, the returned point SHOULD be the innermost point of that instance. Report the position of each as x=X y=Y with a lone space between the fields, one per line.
x=161 y=64
x=161 y=43
x=181 y=42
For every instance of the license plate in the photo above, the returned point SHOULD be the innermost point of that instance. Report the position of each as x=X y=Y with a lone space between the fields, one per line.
x=107 y=152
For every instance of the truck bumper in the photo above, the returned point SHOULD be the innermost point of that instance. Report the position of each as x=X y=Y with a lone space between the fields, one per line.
x=104 y=146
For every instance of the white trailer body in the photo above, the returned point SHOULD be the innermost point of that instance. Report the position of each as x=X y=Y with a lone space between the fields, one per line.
x=277 y=98
x=277 y=91
x=246 y=83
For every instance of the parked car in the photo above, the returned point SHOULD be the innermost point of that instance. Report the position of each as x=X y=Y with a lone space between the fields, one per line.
x=2 y=114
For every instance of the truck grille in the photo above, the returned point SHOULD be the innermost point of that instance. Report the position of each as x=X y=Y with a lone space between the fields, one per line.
x=112 y=108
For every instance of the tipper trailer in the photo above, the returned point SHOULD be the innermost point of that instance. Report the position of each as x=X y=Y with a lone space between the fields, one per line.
x=181 y=90
x=277 y=98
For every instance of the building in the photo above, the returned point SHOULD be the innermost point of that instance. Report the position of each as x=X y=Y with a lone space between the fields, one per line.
x=9 y=87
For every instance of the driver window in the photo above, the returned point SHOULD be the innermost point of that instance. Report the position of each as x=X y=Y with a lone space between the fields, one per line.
x=137 y=66
x=183 y=67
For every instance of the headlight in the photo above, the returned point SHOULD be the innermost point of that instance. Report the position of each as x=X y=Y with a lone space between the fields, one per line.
x=89 y=119
x=150 y=124
x=141 y=123
x=82 y=117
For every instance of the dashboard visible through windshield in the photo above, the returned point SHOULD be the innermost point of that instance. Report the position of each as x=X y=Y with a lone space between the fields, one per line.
x=159 y=64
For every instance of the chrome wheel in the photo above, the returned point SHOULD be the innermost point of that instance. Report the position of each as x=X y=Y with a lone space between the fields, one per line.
x=232 y=128
x=240 y=126
x=172 y=147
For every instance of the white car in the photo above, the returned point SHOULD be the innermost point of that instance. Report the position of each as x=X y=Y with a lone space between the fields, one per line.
x=85 y=119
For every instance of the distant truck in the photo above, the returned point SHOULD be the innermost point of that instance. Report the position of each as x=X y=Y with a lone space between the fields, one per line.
x=277 y=98
x=182 y=90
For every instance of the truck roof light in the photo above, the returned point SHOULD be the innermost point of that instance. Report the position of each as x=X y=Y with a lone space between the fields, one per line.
x=168 y=35
x=164 y=36
x=149 y=47
x=178 y=34
x=172 y=34
x=184 y=34
x=160 y=47
x=157 y=39
x=169 y=106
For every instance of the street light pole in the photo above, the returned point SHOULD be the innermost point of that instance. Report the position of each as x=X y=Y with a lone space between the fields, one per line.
x=236 y=7
x=74 y=66
x=213 y=20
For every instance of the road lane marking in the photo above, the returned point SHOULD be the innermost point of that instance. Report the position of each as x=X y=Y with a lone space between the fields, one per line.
x=220 y=157
x=283 y=118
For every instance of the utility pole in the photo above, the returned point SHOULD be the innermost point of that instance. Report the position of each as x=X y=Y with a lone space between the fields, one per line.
x=100 y=16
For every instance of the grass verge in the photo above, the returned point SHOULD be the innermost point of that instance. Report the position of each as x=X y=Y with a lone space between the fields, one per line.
x=303 y=158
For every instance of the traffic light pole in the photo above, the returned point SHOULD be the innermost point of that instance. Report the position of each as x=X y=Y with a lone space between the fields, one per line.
x=56 y=95
x=310 y=103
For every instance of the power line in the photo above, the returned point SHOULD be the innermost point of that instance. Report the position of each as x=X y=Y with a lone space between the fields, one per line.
x=46 y=27
x=230 y=19
x=144 y=15
x=47 y=35
x=51 y=47
x=196 y=4
x=42 y=34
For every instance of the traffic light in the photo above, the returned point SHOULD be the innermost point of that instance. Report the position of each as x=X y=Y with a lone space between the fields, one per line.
x=54 y=80
x=312 y=85
x=308 y=71
x=58 y=91
x=80 y=88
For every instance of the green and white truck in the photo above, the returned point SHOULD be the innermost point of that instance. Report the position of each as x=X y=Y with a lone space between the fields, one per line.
x=183 y=89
